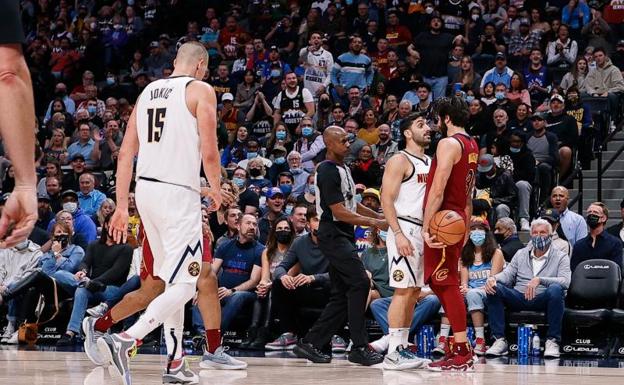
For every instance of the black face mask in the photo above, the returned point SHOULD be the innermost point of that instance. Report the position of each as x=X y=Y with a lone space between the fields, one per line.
x=499 y=237
x=62 y=239
x=324 y=103
x=255 y=172
x=593 y=221
x=283 y=237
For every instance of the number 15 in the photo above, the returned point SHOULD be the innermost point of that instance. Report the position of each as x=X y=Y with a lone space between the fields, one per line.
x=155 y=124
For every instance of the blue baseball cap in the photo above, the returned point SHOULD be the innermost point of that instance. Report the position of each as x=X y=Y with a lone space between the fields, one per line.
x=273 y=191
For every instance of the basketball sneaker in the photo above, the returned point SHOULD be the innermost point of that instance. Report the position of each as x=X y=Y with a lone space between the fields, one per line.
x=460 y=360
x=551 y=349
x=286 y=341
x=98 y=311
x=90 y=344
x=443 y=348
x=182 y=374
x=498 y=348
x=403 y=359
x=365 y=355
x=8 y=332
x=116 y=351
x=221 y=360
x=480 y=347
x=338 y=344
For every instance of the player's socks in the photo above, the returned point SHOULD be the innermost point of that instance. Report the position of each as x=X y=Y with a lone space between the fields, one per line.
x=104 y=323
x=479 y=332
x=213 y=340
x=397 y=336
x=445 y=329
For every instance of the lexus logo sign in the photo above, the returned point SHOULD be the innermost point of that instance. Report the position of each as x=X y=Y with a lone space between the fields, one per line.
x=603 y=267
x=567 y=348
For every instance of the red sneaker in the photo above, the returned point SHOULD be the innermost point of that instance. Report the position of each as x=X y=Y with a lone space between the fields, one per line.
x=480 y=347
x=461 y=360
x=443 y=348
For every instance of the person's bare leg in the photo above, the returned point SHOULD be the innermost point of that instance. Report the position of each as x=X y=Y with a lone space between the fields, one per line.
x=400 y=316
x=209 y=306
x=565 y=161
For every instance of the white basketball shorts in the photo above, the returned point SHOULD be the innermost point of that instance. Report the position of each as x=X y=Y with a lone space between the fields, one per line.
x=408 y=271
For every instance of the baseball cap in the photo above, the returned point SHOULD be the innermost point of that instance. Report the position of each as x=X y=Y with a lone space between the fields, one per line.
x=43 y=197
x=371 y=192
x=557 y=97
x=273 y=191
x=279 y=148
x=478 y=221
x=227 y=96
x=154 y=44
x=500 y=55
x=68 y=193
x=551 y=215
x=486 y=163
x=273 y=48
x=539 y=115
x=78 y=156
x=164 y=36
x=524 y=21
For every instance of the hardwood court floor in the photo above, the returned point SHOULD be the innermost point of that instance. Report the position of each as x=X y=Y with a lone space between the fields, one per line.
x=23 y=367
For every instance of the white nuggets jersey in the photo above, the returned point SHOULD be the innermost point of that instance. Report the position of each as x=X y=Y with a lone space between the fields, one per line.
x=169 y=147
x=318 y=66
x=410 y=201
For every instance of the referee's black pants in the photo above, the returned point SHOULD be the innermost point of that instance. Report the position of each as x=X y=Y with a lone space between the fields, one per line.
x=349 y=291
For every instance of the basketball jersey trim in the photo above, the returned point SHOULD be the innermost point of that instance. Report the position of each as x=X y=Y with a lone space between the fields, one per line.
x=407 y=154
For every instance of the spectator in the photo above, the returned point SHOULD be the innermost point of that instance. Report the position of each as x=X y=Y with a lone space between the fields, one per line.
x=280 y=164
x=543 y=145
x=83 y=224
x=500 y=133
x=536 y=279
x=573 y=225
x=432 y=49
x=298 y=219
x=467 y=76
x=351 y=127
x=480 y=259
x=577 y=75
x=234 y=152
x=309 y=145
x=89 y=199
x=522 y=121
x=385 y=147
x=347 y=71
x=605 y=81
x=232 y=221
x=536 y=76
x=107 y=207
x=523 y=174
x=252 y=151
x=285 y=182
x=56 y=151
x=283 y=36
x=617 y=230
x=157 y=60
x=369 y=132
x=257 y=180
x=562 y=52
x=318 y=64
x=44 y=211
x=294 y=289
x=231 y=37
x=500 y=184
x=552 y=216
x=375 y=261
x=576 y=14
x=85 y=146
x=275 y=206
x=274 y=68
x=599 y=244
x=60 y=91
x=478 y=122
x=246 y=197
x=309 y=196
x=110 y=144
x=101 y=273
x=293 y=103
x=494 y=13
x=299 y=174
x=582 y=115
x=507 y=237
x=53 y=191
x=260 y=115
x=239 y=262
x=500 y=74
x=246 y=91
x=223 y=83
x=565 y=127
x=279 y=241
x=517 y=93
x=521 y=44
x=231 y=116
x=365 y=169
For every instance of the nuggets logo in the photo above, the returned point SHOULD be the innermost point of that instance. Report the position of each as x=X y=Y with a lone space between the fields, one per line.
x=193 y=269
x=398 y=275
x=441 y=275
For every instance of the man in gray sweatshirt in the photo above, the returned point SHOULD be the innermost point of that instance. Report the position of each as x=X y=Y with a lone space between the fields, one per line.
x=536 y=279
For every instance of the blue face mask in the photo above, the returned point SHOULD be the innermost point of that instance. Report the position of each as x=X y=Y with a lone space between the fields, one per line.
x=477 y=237
x=514 y=150
x=307 y=130
x=288 y=210
x=280 y=135
x=110 y=81
x=296 y=171
x=286 y=188
x=239 y=182
x=383 y=235
x=251 y=155
x=92 y=110
x=276 y=73
x=499 y=95
x=469 y=99
x=312 y=189
x=280 y=160
x=541 y=243
x=351 y=137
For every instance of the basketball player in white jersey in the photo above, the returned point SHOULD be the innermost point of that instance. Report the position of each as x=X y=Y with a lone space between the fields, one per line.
x=172 y=129
x=402 y=198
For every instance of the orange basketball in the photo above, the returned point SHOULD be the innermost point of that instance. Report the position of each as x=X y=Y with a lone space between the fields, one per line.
x=448 y=227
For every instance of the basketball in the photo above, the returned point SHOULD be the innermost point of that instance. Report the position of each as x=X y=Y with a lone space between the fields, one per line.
x=448 y=227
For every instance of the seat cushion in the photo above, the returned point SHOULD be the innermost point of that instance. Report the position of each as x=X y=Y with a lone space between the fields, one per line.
x=586 y=318
x=617 y=316
x=526 y=317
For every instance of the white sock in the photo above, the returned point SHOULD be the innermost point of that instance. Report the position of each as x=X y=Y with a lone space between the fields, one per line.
x=173 y=329
x=397 y=336
x=480 y=332
x=161 y=308
x=445 y=330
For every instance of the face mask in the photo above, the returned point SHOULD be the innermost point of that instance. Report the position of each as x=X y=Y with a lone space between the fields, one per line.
x=383 y=235
x=280 y=160
x=283 y=237
x=280 y=135
x=351 y=137
x=500 y=237
x=429 y=10
x=500 y=95
x=469 y=99
x=307 y=131
x=296 y=171
x=22 y=245
x=251 y=155
x=324 y=103
x=477 y=237
x=92 y=110
x=255 y=172
x=514 y=150
x=312 y=189
x=70 y=207
x=286 y=188
x=276 y=73
x=288 y=210
x=110 y=81
x=573 y=100
x=475 y=17
x=593 y=221
x=541 y=243
x=239 y=182
x=59 y=124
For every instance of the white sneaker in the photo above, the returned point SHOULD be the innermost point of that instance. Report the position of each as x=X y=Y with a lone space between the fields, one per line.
x=98 y=311
x=551 y=349
x=499 y=348
x=181 y=375
x=221 y=360
x=13 y=340
x=8 y=332
x=90 y=344
x=525 y=225
x=381 y=345
x=404 y=359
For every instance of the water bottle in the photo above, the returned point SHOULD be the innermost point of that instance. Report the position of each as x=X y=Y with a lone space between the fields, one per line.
x=471 y=335
x=535 y=351
x=431 y=340
x=523 y=341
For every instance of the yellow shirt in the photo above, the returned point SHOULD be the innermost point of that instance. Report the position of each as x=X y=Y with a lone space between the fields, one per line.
x=370 y=137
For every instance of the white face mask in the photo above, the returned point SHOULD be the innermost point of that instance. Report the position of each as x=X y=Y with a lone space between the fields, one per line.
x=70 y=207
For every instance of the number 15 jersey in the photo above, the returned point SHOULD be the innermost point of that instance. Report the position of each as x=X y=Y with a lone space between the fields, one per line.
x=169 y=147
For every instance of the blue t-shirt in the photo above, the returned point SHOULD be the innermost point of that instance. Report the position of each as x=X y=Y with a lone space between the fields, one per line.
x=238 y=261
x=478 y=275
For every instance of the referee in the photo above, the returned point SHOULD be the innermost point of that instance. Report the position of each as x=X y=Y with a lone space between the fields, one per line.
x=17 y=123
x=350 y=285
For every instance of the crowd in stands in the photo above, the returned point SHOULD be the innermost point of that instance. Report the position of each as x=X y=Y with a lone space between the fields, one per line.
x=283 y=71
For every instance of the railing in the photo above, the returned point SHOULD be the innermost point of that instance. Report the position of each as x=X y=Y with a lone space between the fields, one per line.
x=577 y=172
x=602 y=169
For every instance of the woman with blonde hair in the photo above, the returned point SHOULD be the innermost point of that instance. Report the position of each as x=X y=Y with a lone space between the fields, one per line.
x=56 y=149
x=106 y=208
x=467 y=76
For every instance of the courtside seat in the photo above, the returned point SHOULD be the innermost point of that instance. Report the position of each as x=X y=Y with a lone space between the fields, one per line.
x=526 y=317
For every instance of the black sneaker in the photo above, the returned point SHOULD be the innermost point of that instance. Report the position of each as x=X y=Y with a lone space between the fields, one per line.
x=365 y=355
x=67 y=340
x=308 y=351
x=251 y=336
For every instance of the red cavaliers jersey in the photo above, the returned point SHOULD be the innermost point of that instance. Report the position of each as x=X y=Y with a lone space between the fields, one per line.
x=458 y=187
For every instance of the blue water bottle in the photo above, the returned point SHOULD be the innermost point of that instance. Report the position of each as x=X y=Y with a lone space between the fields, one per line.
x=431 y=343
x=523 y=341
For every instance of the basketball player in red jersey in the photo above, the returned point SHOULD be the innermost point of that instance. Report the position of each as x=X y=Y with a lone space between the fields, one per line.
x=449 y=187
